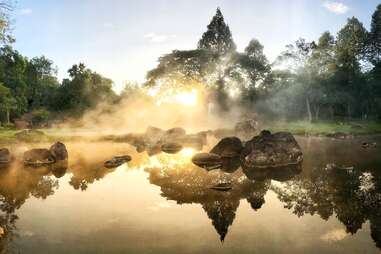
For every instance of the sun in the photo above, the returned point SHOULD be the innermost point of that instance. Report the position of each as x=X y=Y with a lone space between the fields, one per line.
x=186 y=98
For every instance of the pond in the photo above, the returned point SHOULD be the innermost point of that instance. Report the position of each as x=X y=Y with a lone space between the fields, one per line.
x=164 y=203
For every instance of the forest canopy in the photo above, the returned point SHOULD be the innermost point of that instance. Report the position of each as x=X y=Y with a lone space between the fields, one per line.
x=336 y=76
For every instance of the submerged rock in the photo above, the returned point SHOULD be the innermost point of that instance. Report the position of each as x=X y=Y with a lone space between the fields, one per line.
x=59 y=151
x=271 y=150
x=171 y=148
x=5 y=157
x=117 y=161
x=339 y=135
x=38 y=157
x=207 y=161
x=228 y=147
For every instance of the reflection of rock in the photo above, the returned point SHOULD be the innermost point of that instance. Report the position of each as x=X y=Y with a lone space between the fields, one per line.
x=189 y=184
x=38 y=157
x=207 y=161
x=171 y=147
x=228 y=147
x=278 y=173
x=230 y=164
x=271 y=150
x=5 y=157
x=59 y=151
x=59 y=168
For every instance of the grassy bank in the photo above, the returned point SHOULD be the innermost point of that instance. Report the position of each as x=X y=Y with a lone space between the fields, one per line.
x=296 y=128
x=325 y=127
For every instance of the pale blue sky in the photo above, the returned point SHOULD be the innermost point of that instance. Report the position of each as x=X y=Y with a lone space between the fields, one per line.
x=122 y=39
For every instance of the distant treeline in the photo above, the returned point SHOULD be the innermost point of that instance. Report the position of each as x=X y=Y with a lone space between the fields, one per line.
x=334 y=77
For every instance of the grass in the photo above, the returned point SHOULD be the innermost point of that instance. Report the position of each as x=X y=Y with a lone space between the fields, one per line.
x=295 y=127
x=325 y=127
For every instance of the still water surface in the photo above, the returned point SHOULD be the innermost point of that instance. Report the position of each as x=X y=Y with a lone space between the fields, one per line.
x=164 y=204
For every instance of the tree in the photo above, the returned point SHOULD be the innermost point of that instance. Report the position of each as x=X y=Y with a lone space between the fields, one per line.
x=350 y=52
x=41 y=82
x=218 y=36
x=83 y=90
x=7 y=102
x=5 y=35
x=374 y=42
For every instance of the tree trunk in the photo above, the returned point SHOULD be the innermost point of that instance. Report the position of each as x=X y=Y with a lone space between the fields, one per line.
x=317 y=110
x=308 y=110
x=7 y=116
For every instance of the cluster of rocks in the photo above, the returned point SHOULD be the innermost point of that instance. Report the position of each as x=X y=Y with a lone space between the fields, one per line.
x=267 y=153
x=156 y=140
x=41 y=156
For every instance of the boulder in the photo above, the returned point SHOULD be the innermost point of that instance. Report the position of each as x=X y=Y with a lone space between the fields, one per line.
x=5 y=157
x=271 y=150
x=207 y=161
x=228 y=147
x=246 y=128
x=171 y=147
x=58 y=150
x=222 y=133
x=38 y=157
x=153 y=134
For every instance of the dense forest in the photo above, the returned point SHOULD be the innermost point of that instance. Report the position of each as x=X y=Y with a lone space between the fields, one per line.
x=334 y=77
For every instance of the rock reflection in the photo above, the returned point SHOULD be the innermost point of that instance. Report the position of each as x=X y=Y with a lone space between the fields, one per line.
x=188 y=184
x=17 y=184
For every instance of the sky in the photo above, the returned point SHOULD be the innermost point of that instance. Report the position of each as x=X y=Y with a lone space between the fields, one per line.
x=123 y=39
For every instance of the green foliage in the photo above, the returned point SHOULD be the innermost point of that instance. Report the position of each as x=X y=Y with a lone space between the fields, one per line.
x=39 y=117
x=218 y=36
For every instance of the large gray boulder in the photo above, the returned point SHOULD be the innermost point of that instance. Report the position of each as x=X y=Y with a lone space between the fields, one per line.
x=207 y=161
x=59 y=151
x=271 y=150
x=5 y=157
x=38 y=157
x=246 y=128
x=228 y=147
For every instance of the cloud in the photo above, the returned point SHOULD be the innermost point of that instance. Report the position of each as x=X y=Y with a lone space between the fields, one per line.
x=158 y=38
x=25 y=11
x=335 y=7
x=108 y=25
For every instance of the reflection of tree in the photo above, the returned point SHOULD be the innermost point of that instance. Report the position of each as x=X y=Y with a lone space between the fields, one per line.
x=189 y=184
x=87 y=172
x=354 y=196
x=16 y=186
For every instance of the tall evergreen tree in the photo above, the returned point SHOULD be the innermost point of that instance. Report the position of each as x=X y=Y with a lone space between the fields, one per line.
x=218 y=36
x=375 y=37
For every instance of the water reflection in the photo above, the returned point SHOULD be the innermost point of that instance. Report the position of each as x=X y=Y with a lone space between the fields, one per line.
x=334 y=182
